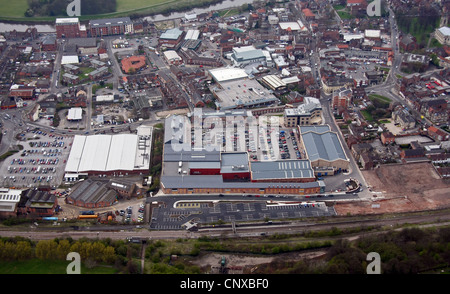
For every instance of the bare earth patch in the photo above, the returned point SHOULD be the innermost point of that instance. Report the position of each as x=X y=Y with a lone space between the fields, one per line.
x=245 y=263
x=405 y=187
x=164 y=114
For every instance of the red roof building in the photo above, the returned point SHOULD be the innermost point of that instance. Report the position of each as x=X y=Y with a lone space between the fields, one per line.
x=133 y=62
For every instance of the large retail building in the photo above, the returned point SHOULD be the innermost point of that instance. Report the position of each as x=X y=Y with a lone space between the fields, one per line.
x=116 y=155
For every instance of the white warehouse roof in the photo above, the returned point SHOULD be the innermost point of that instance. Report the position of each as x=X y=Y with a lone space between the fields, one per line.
x=172 y=55
x=192 y=35
x=70 y=59
x=105 y=153
x=75 y=113
x=226 y=74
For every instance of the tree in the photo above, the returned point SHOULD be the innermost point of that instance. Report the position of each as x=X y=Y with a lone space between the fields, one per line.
x=96 y=251
x=46 y=249
x=63 y=249
x=109 y=254
x=23 y=250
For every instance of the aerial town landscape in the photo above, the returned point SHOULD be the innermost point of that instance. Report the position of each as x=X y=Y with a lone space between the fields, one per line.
x=181 y=138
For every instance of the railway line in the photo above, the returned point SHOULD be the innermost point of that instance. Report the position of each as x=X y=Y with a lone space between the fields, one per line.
x=394 y=221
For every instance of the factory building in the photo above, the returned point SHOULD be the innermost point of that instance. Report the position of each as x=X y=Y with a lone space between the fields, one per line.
x=115 y=155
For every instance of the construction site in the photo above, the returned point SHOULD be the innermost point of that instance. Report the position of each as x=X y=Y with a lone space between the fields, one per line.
x=401 y=188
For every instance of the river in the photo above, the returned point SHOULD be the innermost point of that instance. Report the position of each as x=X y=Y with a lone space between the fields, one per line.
x=46 y=28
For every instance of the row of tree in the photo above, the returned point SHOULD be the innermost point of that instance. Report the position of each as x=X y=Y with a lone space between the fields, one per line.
x=409 y=251
x=56 y=250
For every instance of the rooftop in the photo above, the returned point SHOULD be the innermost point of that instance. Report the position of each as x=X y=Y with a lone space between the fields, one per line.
x=72 y=20
x=234 y=162
x=172 y=34
x=199 y=181
x=445 y=31
x=283 y=169
x=109 y=21
x=310 y=104
x=225 y=74
x=322 y=144
x=123 y=152
x=243 y=93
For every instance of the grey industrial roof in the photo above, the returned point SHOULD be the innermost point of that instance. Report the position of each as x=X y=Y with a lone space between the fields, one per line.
x=324 y=146
x=172 y=34
x=83 y=42
x=316 y=128
x=171 y=154
x=90 y=191
x=204 y=164
x=249 y=55
x=282 y=169
x=234 y=162
x=175 y=182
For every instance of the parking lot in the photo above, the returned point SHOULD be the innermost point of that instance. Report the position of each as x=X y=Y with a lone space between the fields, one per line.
x=275 y=145
x=269 y=143
x=132 y=214
x=172 y=218
x=40 y=162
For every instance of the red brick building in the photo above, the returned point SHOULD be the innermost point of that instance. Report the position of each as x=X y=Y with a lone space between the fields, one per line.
x=387 y=138
x=23 y=92
x=37 y=203
x=49 y=43
x=69 y=28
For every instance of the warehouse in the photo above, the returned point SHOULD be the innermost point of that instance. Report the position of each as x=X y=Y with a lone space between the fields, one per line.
x=172 y=57
x=171 y=38
x=323 y=148
x=9 y=199
x=120 y=154
x=92 y=194
x=273 y=82
x=192 y=35
x=75 y=114
x=246 y=55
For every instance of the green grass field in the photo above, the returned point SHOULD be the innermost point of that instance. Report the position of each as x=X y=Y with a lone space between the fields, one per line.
x=14 y=9
x=127 y=5
x=36 y=266
x=17 y=9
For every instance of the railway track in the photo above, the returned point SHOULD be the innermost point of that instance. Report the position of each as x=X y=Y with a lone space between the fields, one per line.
x=428 y=218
